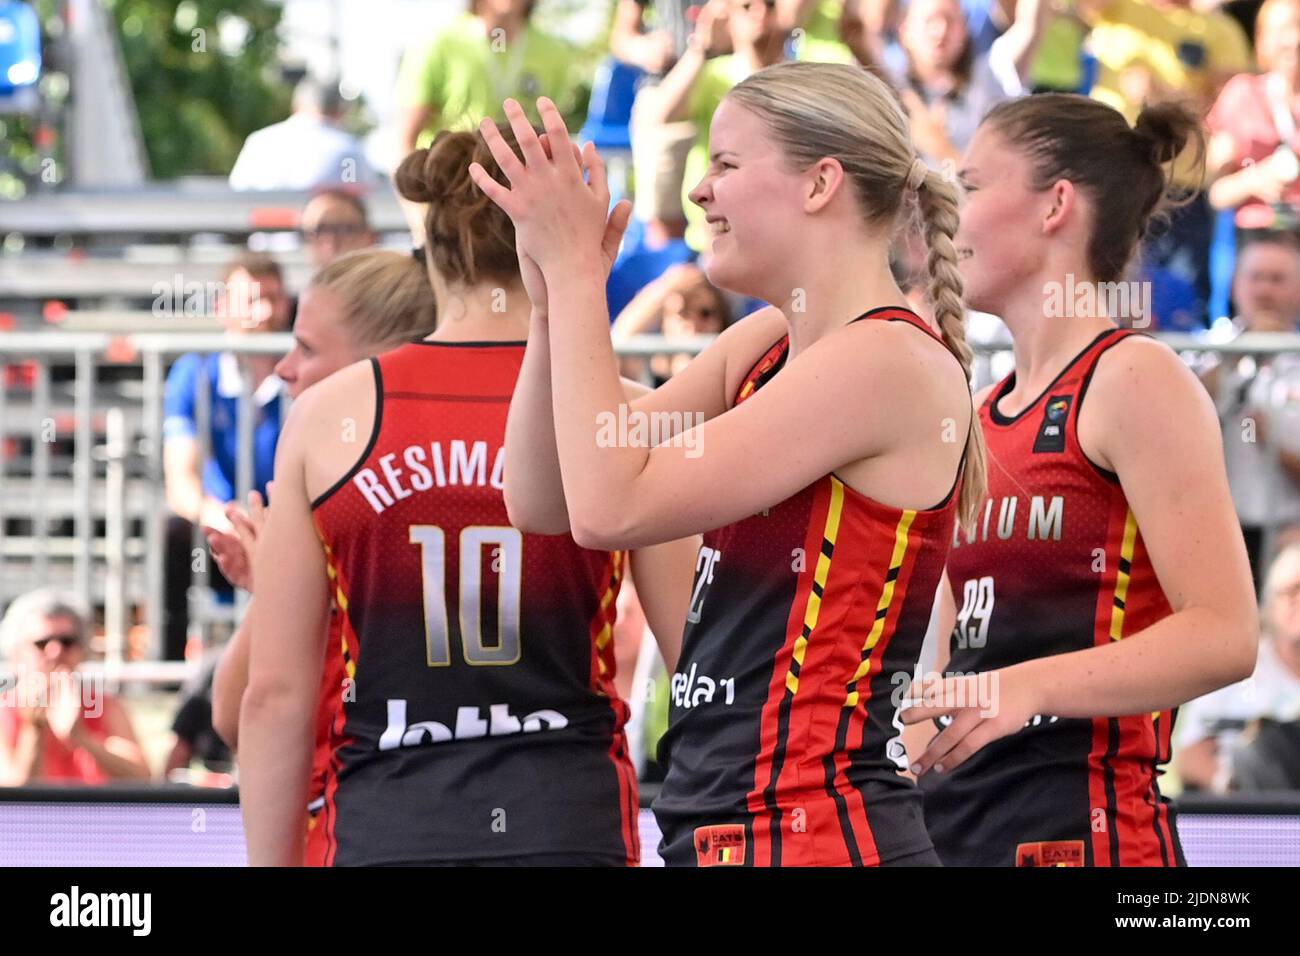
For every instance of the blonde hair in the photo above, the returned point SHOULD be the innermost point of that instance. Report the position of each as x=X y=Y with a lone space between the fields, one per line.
x=819 y=110
x=385 y=295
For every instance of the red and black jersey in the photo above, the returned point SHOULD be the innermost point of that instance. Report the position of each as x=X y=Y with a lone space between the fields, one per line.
x=482 y=721
x=783 y=744
x=1055 y=564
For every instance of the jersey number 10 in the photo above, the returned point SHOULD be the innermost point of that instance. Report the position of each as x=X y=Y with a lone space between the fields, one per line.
x=508 y=550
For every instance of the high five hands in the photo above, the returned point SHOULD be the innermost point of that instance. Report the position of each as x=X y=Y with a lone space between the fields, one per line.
x=558 y=197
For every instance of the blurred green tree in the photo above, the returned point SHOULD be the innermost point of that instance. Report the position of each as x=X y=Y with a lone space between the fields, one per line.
x=205 y=74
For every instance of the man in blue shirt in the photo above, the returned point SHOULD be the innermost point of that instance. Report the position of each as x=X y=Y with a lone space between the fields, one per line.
x=198 y=490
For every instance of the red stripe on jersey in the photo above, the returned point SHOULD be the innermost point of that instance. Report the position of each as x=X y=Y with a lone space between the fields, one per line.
x=1099 y=765
x=859 y=724
x=602 y=681
x=769 y=764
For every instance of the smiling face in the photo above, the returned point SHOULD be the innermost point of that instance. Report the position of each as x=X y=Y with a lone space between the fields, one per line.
x=999 y=240
x=321 y=343
x=753 y=203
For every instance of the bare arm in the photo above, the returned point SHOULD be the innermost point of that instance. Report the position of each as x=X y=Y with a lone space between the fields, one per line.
x=21 y=764
x=620 y=495
x=181 y=482
x=284 y=674
x=1149 y=421
x=1022 y=37
x=230 y=681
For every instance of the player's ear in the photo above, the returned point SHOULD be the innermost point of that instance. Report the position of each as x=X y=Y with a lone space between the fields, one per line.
x=822 y=181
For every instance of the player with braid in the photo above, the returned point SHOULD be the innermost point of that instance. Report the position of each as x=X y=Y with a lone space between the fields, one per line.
x=1105 y=581
x=820 y=444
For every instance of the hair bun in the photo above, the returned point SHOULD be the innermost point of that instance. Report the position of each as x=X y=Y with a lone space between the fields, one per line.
x=410 y=179
x=1164 y=130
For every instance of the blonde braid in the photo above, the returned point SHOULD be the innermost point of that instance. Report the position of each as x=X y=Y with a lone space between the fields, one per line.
x=937 y=206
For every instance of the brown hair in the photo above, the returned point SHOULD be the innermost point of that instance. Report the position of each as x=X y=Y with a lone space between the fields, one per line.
x=1123 y=170
x=385 y=295
x=344 y=198
x=816 y=110
x=468 y=238
x=258 y=265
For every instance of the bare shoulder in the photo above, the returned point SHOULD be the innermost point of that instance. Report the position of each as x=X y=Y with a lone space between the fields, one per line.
x=894 y=356
x=743 y=343
x=1143 y=397
x=1140 y=368
x=330 y=424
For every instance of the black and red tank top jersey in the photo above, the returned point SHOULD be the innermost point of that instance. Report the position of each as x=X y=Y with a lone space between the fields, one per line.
x=1055 y=563
x=783 y=744
x=482 y=721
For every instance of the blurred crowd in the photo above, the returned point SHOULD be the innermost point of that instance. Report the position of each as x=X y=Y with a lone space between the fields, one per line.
x=668 y=65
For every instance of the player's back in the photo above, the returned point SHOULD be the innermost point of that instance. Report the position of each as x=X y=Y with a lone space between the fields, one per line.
x=482 y=722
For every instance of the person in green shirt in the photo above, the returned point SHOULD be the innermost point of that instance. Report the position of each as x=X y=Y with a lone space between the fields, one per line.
x=470 y=67
x=697 y=83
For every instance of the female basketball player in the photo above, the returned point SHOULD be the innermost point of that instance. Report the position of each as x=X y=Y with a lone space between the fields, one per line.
x=1105 y=581
x=480 y=722
x=828 y=462
x=362 y=304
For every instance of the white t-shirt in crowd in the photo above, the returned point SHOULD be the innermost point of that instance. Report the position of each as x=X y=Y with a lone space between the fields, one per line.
x=302 y=152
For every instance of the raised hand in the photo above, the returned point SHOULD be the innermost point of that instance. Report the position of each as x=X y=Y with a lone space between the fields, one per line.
x=235 y=551
x=561 y=219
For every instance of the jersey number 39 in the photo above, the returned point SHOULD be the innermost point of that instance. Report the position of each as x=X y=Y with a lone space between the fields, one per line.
x=972 y=628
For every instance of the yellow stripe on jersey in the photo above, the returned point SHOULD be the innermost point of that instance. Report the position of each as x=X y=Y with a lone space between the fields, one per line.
x=606 y=599
x=1122 y=576
x=882 y=607
x=820 y=573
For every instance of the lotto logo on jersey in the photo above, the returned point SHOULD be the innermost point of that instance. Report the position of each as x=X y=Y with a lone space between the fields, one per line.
x=469 y=725
x=720 y=845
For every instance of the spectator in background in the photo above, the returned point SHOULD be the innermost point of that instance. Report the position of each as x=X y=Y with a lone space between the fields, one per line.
x=309 y=150
x=1253 y=140
x=700 y=79
x=656 y=240
x=1151 y=51
x=680 y=304
x=197 y=490
x=470 y=67
x=56 y=726
x=1258 y=397
x=335 y=222
x=652 y=34
x=946 y=84
x=1212 y=727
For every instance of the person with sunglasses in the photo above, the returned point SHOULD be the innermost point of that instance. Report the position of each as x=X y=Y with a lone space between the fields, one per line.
x=54 y=726
x=334 y=222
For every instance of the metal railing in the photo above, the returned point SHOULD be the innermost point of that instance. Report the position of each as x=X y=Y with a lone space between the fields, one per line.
x=122 y=431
